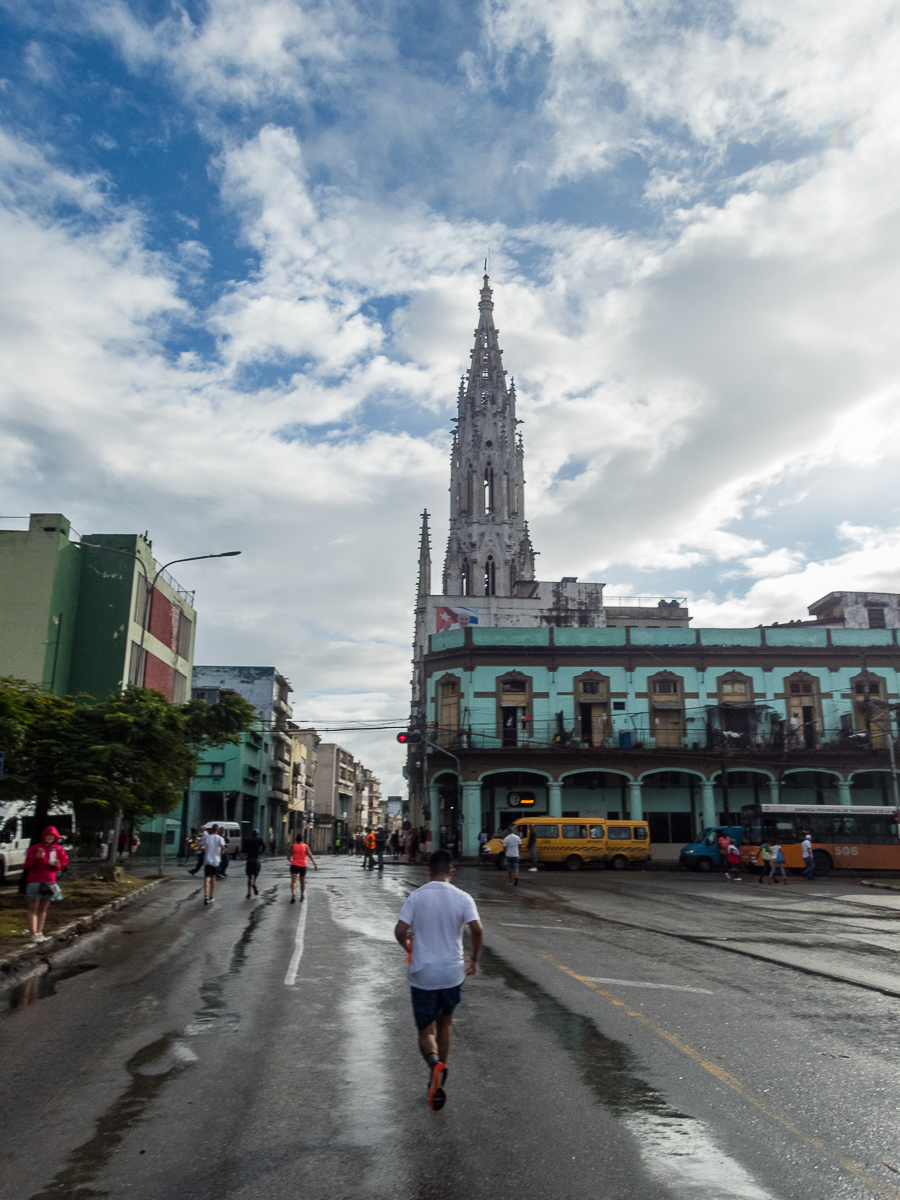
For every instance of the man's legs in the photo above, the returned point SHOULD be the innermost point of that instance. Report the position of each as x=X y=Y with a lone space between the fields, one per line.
x=435 y=1039
x=293 y=886
x=512 y=870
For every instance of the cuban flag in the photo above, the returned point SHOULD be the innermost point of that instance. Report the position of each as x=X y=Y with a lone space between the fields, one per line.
x=454 y=618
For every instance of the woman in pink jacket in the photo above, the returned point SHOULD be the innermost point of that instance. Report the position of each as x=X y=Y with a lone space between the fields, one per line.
x=43 y=862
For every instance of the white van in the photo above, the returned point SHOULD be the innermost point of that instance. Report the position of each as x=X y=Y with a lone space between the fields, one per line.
x=231 y=832
x=16 y=824
x=13 y=841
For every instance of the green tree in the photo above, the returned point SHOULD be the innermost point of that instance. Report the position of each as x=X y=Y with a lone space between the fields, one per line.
x=142 y=751
x=134 y=752
x=46 y=757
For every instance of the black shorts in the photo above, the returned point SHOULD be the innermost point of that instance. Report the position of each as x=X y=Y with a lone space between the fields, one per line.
x=298 y=870
x=253 y=866
x=428 y=1005
x=209 y=870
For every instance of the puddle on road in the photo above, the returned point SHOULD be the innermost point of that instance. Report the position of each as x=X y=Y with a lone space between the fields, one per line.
x=150 y=1069
x=213 y=1014
x=39 y=987
x=678 y=1150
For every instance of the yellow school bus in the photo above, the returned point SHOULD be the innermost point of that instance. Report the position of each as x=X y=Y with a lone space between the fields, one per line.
x=574 y=842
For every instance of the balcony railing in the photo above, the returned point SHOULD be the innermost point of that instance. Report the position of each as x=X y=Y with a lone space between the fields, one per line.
x=700 y=738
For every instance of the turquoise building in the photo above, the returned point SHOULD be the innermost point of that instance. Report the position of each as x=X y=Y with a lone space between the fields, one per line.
x=681 y=726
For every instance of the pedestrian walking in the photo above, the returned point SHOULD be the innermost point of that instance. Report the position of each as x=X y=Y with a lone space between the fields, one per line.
x=368 y=848
x=394 y=843
x=482 y=838
x=764 y=858
x=43 y=862
x=724 y=841
x=297 y=858
x=733 y=858
x=380 y=839
x=511 y=845
x=196 y=846
x=532 y=847
x=213 y=845
x=430 y=928
x=809 y=862
x=254 y=846
x=777 y=864
x=413 y=844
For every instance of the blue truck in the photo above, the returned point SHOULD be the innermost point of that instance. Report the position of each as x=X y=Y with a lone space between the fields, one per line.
x=705 y=854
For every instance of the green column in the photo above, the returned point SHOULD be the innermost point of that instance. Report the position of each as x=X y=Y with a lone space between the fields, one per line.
x=471 y=807
x=554 y=793
x=774 y=791
x=434 y=821
x=843 y=787
x=635 y=807
x=708 y=802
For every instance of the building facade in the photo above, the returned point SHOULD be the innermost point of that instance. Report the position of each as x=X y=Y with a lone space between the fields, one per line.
x=335 y=795
x=682 y=726
x=260 y=770
x=548 y=697
x=90 y=616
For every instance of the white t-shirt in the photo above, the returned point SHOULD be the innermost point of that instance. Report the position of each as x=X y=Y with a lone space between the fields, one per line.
x=438 y=913
x=806 y=847
x=213 y=845
x=511 y=844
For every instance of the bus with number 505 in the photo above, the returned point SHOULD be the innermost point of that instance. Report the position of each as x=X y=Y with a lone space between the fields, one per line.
x=865 y=838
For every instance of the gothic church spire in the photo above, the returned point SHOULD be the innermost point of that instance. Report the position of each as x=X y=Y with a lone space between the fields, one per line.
x=489 y=549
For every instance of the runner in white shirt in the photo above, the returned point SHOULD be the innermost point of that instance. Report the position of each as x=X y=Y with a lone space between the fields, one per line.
x=511 y=845
x=213 y=845
x=430 y=928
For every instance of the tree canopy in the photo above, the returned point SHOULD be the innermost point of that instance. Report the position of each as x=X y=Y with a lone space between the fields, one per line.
x=133 y=751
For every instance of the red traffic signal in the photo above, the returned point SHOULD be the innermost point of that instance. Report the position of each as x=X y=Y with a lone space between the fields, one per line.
x=409 y=737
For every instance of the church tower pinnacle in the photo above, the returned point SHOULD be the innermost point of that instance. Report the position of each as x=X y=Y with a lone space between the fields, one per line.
x=489 y=549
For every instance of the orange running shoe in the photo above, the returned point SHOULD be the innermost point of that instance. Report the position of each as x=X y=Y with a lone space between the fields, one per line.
x=437 y=1097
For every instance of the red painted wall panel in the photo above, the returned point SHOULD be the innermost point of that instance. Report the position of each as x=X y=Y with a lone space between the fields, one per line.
x=159 y=676
x=164 y=617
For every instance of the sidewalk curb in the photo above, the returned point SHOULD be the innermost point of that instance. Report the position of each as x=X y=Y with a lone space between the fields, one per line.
x=18 y=961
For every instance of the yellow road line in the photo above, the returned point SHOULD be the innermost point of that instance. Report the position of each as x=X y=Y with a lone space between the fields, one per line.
x=853 y=1168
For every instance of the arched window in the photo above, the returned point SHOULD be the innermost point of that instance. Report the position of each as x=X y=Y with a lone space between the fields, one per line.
x=488 y=490
x=469 y=489
x=466 y=584
x=490 y=577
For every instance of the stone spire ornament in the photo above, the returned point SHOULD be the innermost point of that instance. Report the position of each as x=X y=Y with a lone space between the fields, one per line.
x=489 y=550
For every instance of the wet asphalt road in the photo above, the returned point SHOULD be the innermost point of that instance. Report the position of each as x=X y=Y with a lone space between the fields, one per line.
x=639 y=1035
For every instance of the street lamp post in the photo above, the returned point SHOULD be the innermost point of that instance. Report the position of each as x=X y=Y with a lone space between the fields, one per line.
x=148 y=595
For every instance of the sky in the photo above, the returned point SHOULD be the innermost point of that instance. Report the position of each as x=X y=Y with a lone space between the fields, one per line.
x=241 y=251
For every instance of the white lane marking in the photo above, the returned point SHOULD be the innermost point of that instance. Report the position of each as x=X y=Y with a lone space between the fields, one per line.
x=294 y=966
x=518 y=925
x=672 y=987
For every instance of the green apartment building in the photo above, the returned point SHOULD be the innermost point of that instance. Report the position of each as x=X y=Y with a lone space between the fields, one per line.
x=79 y=616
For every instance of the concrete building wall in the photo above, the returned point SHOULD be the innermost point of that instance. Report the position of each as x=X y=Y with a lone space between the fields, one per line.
x=39 y=579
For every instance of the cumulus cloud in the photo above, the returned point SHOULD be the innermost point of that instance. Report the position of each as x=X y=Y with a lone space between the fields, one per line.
x=273 y=367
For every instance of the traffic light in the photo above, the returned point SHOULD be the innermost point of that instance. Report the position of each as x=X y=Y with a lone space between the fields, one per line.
x=410 y=737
